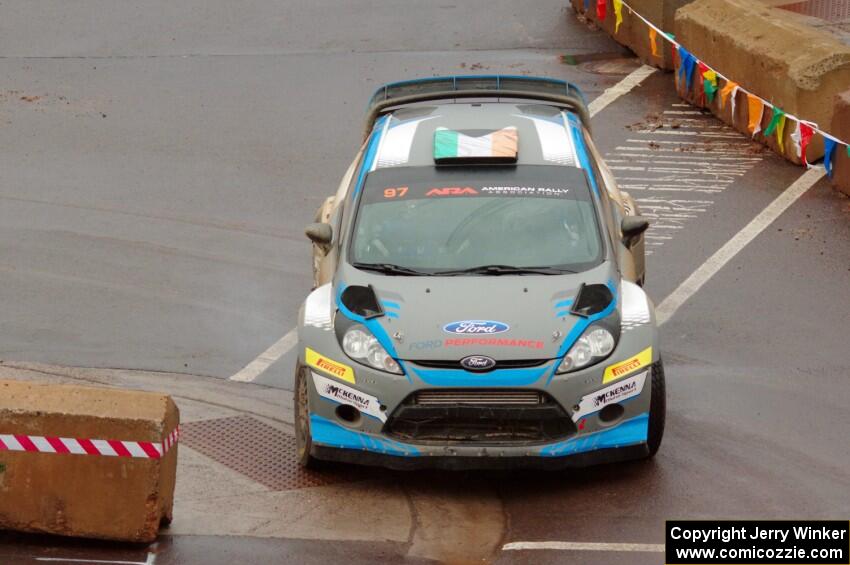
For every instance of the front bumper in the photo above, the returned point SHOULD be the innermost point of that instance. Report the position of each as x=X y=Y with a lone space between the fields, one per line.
x=590 y=440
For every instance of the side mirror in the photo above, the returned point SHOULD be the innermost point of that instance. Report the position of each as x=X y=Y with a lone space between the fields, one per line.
x=632 y=227
x=320 y=234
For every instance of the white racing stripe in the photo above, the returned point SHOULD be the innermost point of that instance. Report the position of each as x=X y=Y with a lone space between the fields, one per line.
x=713 y=264
x=259 y=365
x=623 y=87
x=584 y=546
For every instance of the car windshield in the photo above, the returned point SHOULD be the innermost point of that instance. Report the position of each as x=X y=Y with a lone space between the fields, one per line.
x=529 y=219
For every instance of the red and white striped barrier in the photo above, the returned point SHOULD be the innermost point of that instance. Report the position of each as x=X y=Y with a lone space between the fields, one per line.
x=79 y=446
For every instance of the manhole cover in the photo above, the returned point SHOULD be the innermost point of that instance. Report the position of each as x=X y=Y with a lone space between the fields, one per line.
x=621 y=66
x=262 y=453
x=602 y=63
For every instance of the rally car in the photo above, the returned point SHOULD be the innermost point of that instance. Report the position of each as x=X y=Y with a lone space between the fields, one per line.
x=478 y=294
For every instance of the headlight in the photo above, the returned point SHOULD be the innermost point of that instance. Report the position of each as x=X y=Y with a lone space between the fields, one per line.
x=593 y=346
x=359 y=344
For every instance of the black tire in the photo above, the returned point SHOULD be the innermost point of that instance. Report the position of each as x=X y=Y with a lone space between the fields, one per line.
x=657 y=409
x=303 y=439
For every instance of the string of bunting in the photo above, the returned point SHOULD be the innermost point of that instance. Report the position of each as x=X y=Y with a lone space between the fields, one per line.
x=805 y=130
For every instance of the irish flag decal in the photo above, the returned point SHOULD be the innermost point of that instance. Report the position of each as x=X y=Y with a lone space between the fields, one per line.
x=475 y=146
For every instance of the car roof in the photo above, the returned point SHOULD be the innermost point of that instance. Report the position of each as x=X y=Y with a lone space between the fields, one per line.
x=547 y=135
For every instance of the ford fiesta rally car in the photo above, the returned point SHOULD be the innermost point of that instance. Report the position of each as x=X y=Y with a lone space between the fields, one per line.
x=478 y=295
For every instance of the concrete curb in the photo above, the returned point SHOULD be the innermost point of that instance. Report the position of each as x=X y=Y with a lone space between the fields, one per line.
x=759 y=48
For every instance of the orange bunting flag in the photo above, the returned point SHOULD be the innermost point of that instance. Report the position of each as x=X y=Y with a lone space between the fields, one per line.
x=653 y=36
x=756 y=112
x=728 y=89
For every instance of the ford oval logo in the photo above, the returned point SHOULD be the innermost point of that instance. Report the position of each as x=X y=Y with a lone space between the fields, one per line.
x=478 y=363
x=472 y=327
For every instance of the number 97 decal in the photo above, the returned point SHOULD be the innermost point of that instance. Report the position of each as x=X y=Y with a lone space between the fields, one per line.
x=395 y=192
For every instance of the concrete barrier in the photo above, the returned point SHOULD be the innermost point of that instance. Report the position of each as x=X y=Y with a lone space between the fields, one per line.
x=772 y=53
x=840 y=128
x=87 y=462
x=633 y=32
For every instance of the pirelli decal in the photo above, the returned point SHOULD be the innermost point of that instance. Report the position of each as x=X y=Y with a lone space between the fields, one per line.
x=329 y=366
x=619 y=370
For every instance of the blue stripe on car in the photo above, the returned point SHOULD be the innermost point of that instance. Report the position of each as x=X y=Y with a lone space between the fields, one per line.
x=631 y=432
x=331 y=434
x=499 y=377
x=371 y=151
x=390 y=304
x=374 y=326
x=582 y=325
x=583 y=157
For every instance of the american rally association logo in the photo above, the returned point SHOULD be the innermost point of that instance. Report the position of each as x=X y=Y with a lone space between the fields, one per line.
x=476 y=327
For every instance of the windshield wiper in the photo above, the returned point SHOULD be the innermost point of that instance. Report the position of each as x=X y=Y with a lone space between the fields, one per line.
x=505 y=270
x=390 y=269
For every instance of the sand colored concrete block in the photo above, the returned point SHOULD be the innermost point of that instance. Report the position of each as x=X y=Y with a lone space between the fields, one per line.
x=85 y=495
x=840 y=128
x=633 y=32
x=769 y=52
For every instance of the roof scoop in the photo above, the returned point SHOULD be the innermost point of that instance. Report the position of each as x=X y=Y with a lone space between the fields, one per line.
x=591 y=299
x=475 y=146
x=361 y=300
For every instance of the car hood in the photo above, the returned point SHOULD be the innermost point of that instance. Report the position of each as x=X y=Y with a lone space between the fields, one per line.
x=505 y=317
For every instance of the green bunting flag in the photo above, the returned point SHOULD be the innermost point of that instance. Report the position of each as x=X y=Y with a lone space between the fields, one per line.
x=709 y=85
x=777 y=125
x=778 y=114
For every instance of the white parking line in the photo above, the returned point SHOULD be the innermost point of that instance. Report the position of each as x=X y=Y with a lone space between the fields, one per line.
x=732 y=247
x=584 y=546
x=265 y=359
x=623 y=87
x=149 y=561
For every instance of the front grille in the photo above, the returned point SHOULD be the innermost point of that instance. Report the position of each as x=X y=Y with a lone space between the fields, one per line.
x=480 y=397
x=506 y=364
x=467 y=416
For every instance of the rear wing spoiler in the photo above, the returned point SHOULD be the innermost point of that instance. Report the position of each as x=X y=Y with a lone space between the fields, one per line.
x=553 y=91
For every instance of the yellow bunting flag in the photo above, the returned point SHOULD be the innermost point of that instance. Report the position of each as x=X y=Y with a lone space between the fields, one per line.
x=728 y=89
x=618 y=11
x=653 y=35
x=756 y=112
x=780 y=133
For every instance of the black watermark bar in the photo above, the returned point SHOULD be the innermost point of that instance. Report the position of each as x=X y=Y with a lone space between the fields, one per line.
x=757 y=542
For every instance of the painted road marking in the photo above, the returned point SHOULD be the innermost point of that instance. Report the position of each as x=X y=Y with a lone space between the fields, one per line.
x=258 y=366
x=280 y=348
x=625 y=86
x=662 y=174
x=584 y=546
x=149 y=561
x=732 y=247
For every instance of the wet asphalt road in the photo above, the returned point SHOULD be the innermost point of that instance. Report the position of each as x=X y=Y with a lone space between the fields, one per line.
x=153 y=197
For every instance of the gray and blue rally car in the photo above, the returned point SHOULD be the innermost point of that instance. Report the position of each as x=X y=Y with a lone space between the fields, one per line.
x=478 y=294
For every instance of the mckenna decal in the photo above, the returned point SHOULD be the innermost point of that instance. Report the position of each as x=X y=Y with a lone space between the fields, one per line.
x=337 y=392
x=452 y=191
x=476 y=327
x=338 y=370
x=617 y=370
x=494 y=341
x=618 y=392
x=525 y=190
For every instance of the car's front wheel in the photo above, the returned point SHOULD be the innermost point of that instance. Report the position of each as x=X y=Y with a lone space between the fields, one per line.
x=657 y=409
x=303 y=439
